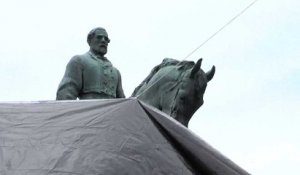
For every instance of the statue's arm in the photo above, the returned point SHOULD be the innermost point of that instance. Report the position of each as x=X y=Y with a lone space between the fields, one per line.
x=120 y=92
x=71 y=84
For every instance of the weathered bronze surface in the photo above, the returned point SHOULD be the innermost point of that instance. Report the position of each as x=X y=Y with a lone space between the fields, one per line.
x=91 y=75
x=176 y=88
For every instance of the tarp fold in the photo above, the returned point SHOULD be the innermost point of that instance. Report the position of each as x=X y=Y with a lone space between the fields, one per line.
x=111 y=137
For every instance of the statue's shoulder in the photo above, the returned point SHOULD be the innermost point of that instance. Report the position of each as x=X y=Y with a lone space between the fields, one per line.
x=80 y=58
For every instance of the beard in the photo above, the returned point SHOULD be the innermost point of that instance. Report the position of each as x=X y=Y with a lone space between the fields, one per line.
x=101 y=50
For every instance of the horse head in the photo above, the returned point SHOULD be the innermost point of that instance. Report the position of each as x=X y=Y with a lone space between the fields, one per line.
x=189 y=96
x=176 y=88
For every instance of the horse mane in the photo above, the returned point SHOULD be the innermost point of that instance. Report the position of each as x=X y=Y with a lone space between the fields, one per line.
x=182 y=66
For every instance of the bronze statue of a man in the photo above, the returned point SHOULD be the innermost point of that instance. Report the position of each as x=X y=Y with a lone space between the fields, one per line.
x=91 y=75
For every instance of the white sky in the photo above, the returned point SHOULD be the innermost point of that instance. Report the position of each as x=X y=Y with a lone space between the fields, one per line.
x=251 y=110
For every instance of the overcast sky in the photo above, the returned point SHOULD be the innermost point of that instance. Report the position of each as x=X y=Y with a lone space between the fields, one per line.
x=251 y=111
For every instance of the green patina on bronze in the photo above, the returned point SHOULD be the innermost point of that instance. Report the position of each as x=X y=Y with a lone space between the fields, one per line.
x=176 y=88
x=91 y=75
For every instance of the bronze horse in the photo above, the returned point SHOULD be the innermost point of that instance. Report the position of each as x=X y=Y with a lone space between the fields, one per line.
x=176 y=88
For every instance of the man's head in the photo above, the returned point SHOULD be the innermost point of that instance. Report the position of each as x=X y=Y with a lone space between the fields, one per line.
x=98 y=41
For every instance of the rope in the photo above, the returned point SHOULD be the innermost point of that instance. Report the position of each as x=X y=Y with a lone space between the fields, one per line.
x=229 y=22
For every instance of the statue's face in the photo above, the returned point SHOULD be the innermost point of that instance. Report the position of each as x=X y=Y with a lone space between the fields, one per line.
x=99 y=42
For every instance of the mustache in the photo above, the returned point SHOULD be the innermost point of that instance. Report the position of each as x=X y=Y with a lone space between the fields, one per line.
x=103 y=44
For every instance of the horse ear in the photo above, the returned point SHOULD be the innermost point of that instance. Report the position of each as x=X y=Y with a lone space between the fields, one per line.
x=210 y=74
x=196 y=68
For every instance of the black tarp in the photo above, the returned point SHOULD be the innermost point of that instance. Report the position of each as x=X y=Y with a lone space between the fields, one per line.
x=95 y=137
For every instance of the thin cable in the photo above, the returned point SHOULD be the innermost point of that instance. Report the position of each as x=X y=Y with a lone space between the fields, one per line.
x=230 y=21
x=236 y=16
